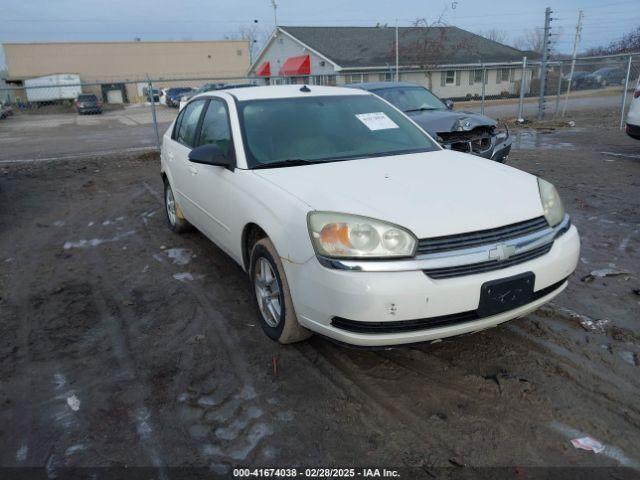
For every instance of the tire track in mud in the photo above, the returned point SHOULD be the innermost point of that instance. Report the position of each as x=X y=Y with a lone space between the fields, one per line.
x=45 y=420
x=107 y=300
x=613 y=401
x=229 y=423
x=339 y=370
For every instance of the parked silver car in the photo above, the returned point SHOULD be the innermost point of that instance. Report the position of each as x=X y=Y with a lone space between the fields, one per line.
x=456 y=130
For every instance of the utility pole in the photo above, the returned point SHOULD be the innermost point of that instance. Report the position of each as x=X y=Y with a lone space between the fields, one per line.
x=545 y=59
x=397 y=49
x=275 y=12
x=576 y=40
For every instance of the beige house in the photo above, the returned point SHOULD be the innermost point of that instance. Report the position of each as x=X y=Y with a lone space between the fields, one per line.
x=122 y=67
x=452 y=62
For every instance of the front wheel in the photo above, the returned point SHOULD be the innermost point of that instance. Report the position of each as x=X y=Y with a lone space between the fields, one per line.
x=272 y=296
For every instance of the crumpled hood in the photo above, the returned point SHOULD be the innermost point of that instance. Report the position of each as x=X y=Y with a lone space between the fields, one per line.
x=432 y=194
x=434 y=121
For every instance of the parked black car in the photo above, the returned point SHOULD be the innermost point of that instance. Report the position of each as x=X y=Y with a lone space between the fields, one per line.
x=88 y=103
x=456 y=130
x=582 y=80
x=5 y=110
x=609 y=76
x=172 y=95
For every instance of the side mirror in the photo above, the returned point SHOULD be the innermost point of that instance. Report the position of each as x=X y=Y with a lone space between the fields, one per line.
x=449 y=104
x=210 y=154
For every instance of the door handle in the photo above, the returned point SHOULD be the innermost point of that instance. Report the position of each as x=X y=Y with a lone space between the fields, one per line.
x=193 y=170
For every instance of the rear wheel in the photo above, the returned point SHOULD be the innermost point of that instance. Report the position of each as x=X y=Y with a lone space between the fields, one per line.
x=176 y=221
x=272 y=296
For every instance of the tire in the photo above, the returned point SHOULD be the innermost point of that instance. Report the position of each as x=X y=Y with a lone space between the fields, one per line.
x=278 y=318
x=175 y=219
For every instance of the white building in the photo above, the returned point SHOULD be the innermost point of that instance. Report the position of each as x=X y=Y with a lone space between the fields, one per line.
x=448 y=60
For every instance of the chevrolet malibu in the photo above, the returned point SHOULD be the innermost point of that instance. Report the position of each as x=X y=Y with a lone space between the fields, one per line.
x=353 y=223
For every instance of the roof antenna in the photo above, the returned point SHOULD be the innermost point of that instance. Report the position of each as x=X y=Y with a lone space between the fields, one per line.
x=305 y=89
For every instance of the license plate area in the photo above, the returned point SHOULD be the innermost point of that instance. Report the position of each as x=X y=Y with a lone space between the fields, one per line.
x=505 y=294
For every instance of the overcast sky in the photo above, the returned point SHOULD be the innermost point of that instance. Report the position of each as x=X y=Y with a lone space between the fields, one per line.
x=84 y=20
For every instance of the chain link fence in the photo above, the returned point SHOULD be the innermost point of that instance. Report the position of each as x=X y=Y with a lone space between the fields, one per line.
x=98 y=116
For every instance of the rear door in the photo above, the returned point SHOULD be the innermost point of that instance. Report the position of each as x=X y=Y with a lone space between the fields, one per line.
x=182 y=170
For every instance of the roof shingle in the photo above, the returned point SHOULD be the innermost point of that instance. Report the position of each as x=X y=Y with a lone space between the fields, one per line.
x=354 y=47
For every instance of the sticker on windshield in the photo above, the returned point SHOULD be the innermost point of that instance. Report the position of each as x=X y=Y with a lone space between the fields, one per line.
x=376 y=121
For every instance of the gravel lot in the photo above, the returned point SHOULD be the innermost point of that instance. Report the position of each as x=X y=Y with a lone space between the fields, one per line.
x=111 y=356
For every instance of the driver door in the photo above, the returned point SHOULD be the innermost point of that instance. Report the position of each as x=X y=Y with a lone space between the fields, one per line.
x=214 y=192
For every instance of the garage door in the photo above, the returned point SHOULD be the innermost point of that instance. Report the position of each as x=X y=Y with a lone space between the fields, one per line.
x=115 y=96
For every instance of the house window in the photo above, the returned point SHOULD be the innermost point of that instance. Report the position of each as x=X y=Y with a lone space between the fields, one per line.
x=503 y=75
x=385 y=77
x=475 y=76
x=449 y=77
x=324 y=80
x=356 y=78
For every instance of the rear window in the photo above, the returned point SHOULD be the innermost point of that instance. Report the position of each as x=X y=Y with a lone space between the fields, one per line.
x=86 y=98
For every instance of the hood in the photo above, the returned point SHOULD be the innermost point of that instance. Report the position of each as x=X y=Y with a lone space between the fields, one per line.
x=435 y=121
x=431 y=194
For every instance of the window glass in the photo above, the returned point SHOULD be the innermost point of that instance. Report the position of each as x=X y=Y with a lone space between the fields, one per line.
x=450 y=77
x=215 y=126
x=189 y=123
x=327 y=129
x=504 y=74
x=411 y=99
x=477 y=76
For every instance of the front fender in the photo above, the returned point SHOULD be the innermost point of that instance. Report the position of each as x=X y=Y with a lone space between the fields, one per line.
x=281 y=215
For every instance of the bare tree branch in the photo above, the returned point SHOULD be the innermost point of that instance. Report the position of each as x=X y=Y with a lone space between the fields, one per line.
x=495 y=35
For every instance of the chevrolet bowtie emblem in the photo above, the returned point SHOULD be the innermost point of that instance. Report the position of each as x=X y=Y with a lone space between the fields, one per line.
x=501 y=252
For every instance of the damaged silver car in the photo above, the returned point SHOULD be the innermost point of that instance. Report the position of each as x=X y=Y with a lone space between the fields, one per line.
x=456 y=130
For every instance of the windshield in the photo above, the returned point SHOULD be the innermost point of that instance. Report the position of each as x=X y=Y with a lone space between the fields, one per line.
x=87 y=98
x=319 y=129
x=411 y=99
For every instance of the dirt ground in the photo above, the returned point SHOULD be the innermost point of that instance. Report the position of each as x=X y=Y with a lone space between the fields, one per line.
x=110 y=355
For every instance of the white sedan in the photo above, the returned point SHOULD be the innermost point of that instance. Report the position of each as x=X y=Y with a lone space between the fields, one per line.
x=353 y=223
x=633 y=116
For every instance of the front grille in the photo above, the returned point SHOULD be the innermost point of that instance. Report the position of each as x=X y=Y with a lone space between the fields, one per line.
x=482 y=237
x=424 y=323
x=477 y=140
x=491 y=265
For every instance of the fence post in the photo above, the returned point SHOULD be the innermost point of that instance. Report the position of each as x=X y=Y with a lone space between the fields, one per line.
x=484 y=81
x=558 y=92
x=523 y=80
x=153 y=111
x=624 y=93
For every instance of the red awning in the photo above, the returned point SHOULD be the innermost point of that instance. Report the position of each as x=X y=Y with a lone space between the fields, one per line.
x=264 y=70
x=296 y=66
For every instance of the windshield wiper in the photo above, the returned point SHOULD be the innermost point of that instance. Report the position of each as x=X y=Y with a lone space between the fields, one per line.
x=293 y=162
x=421 y=109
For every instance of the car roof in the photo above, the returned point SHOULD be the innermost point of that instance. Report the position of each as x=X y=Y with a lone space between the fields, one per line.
x=283 y=91
x=383 y=85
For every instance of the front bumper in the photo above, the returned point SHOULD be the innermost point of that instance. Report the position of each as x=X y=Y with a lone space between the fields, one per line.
x=498 y=150
x=321 y=294
x=633 y=131
x=89 y=109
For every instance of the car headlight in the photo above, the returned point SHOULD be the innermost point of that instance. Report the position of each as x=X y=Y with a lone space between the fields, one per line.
x=551 y=202
x=343 y=235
